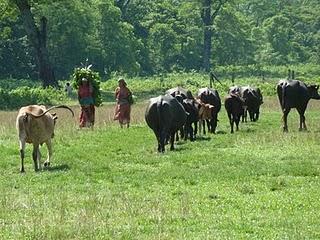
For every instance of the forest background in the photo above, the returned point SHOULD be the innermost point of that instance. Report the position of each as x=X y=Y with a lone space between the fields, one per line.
x=144 y=38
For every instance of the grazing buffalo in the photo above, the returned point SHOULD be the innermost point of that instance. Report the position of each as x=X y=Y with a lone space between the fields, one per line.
x=178 y=91
x=295 y=94
x=191 y=107
x=165 y=115
x=180 y=94
x=234 y=107
x=252 y=98
x=36 y=125
x=211 y=97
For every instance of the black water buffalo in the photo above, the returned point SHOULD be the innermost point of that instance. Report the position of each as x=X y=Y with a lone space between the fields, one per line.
x=191 y=107
x=295 y=94
x=252 y=99
x=234 y=107
x=177 y=91
x=165 y=115
x=211 y=96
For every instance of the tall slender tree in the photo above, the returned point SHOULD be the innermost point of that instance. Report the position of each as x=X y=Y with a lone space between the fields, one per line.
x=210 y=10
x=123 y=5
x=37 y=36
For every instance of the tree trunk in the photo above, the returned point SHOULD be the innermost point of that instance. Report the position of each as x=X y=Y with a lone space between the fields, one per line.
x=207 y=19
x=207 y=37
x=123 y=5
x=38 y=40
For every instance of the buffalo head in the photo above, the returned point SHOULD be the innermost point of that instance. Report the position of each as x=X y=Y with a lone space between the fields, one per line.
x=313 y=91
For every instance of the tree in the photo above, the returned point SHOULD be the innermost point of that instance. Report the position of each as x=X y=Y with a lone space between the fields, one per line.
x=210 y=10
x=38 y=39
x=123 y=5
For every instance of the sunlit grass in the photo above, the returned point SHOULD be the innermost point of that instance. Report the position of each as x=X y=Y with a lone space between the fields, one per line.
x=110 y=183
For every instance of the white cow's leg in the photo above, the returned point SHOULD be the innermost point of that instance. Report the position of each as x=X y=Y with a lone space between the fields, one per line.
x=35 y=156
x=22 y=143
x=49 y=146
x=39 y=157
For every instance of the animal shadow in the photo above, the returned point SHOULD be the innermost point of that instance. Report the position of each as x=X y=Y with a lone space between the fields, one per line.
x=221 y=132
x=63 y=167
x=179 y=149
x=202 y=138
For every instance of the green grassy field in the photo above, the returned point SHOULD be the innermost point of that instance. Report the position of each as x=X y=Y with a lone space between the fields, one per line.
x=110 y=183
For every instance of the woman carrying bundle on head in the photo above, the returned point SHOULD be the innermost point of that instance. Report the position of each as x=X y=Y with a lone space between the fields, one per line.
x=85 y=96
x=124 y=101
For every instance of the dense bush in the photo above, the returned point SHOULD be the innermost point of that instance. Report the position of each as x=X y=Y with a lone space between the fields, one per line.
x=11 y=83
x=21 y=96
x=16 y=93
x=303 y=71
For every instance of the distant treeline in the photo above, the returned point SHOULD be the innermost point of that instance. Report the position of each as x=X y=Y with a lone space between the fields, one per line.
x=15 y=93
x=142 y=37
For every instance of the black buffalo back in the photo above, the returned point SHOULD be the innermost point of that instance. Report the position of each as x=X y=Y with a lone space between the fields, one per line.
x=165 y=115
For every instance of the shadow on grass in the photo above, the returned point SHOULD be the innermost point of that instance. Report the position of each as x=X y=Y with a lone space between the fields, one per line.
x=249 y=130
x=180 y=142
x=178 y=149
x=221 y=132
x=202 y=138
x=63 y=167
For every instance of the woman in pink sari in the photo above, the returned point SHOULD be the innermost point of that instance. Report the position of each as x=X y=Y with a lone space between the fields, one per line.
x=85 y=97
x=123 y=106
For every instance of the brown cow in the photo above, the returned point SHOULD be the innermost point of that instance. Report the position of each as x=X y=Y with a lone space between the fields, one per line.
x=36 y=125
x=205 y=114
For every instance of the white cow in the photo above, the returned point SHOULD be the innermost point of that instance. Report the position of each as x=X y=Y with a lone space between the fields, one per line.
x=36 y=125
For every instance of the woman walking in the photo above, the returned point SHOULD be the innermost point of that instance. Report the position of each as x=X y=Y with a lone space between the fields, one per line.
x=123 y=106
x=85 y=96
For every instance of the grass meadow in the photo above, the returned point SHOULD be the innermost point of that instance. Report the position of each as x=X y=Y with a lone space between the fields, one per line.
x=110 y=183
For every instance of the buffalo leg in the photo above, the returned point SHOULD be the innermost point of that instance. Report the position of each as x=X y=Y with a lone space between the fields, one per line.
x=285 y=119
x=237 y=120
x=187 y=131
x=162 y=139
x=195 y=129
x=231 y=122
x=244 y=116
x=181 y=133
x=208 y=121
x=191 y=132
x=35 y=156
x=22 y=149
x=214 y=123
x=49 y=146
x=302 y=124
x=158 y=139
x=257 y=114
x=202 y=125
x=172 y=141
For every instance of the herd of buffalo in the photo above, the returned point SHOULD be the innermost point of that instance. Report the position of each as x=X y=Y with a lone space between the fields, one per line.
x=178 y=110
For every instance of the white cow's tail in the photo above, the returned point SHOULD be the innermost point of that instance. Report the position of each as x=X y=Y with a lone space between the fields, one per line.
x=49 y=109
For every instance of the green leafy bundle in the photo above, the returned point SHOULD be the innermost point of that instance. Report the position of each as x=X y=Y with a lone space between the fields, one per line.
x=93 y=78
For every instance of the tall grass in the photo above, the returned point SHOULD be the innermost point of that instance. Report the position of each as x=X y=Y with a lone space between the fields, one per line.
x=110 y=183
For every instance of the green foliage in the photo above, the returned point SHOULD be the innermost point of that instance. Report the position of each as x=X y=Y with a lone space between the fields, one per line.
x=145 y=37
x=93 y=78
x=22 y=96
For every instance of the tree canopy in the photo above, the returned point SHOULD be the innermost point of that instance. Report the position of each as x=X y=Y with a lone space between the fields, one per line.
x=142 y=37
